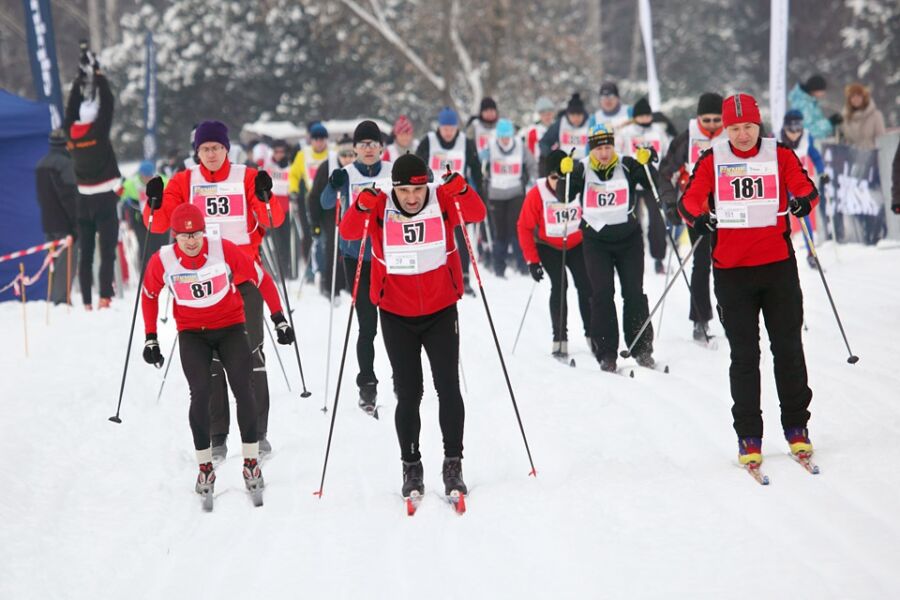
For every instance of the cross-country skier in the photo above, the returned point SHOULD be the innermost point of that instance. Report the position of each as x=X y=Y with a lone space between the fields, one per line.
x=612 y=112
x=541 y=227
x=569 y=131
x=206 y=275
x=532 y=134
x=366 y=171
x=674 y=172
x=404 y=140
x=277 y=165
x=229 y=196
x=300 y=180
x=613 y=243
x=482 y=125
x=416 y=282
x=322 y=221
x=738 y=195
x=134 y=199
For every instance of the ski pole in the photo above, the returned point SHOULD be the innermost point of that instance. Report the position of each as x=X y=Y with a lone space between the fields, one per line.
x=334 y=260
x=337 y=391
x=568 y=166
x=674 y=246
x=522 y=322
x=287 y=301
x=166 y=372
x=487 y=310
x=277 y=355
x=156 y=192
x=852 y=359
x=627 y=353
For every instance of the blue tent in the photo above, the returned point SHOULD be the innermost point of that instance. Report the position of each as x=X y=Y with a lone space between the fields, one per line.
x=24 y=128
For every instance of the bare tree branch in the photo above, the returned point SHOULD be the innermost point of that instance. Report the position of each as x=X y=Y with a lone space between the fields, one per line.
x=379 y=24
x=471 y=74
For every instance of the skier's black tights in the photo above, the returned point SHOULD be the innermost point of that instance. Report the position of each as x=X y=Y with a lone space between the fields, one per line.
x=404 y=338
x=230 y=343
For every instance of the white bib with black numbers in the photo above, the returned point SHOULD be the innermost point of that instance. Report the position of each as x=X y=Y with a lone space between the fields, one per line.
x=198 y=288
x=438 y=157
x=634 y=136
x=573 y=137
x=223 y=203
x=746 y=188
x=560 y=219
x=280 y=179
x=605 y=202
x=506 y=168
x=697 y=143
x=483 y=135
x=417 y=244
x=359 y=182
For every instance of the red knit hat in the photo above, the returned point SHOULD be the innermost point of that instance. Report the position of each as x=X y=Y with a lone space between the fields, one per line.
x=402 y=125
x=187 y=218
x=740 y=108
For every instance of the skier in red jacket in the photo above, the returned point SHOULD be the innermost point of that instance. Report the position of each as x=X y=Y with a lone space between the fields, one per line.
x=738 y=195
x=234 y=197
x=204 y=273
x=416 y=282
x=542 y=223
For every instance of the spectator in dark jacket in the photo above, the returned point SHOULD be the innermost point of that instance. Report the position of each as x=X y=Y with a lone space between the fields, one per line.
x=57 y=194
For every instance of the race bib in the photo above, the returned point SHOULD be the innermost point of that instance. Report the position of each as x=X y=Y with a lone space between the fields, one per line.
x=224 y=199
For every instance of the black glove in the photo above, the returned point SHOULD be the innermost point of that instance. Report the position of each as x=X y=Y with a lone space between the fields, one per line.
x=704 y=224
x=576 y=184
x=824 y=180
x=895 y=206
x=338 y=179
x=800 y=207
x=263 y=185
x=283 y=331
x=673 y=215
x=836 y=119
x=152 y=355
x=154 y=192
x=537 y=271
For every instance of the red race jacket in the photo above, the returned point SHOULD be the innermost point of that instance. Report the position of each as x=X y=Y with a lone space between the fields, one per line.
x=226 y=312
x=425 y=293
x=178 y=190
x=531 y=230
x=755 y=246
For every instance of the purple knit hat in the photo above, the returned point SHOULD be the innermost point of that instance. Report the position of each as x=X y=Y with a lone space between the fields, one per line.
x=211 y=131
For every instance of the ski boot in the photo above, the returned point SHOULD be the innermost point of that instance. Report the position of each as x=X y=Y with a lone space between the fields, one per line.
x=645 y=359
x=467 y=289
x=206 y=483
x=254 y=481
x=811 y=261
x=607 y=362
x=701 y=331
x=798 y=439
x=104 y=303
x=750 y=451
x=659 y=267
x=219 y=448
x=368 y=397
x=413 y=485
x=454 y=487
x=560 y=348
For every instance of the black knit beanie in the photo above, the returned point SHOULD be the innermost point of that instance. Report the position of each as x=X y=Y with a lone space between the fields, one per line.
x=367 y=130
x=409 y=169
x=710 y=104
x=486 y=103
x=554 y=159
x=816 y=83
x=642 y=107
x=576 y=104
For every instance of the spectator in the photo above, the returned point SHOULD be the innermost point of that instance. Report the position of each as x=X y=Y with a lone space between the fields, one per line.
x=57 y=195
x=863 y=123
x=805 y=97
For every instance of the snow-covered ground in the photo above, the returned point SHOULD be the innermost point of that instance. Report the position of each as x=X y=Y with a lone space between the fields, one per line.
x=638 y=493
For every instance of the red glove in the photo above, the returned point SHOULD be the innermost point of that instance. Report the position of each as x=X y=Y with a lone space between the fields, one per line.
x=455 y=184
x=369 y=197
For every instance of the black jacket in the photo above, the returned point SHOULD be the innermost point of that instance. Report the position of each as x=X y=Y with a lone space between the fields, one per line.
x=92 y=152
x=675 y=159
x=473 y=163
x=56 y=191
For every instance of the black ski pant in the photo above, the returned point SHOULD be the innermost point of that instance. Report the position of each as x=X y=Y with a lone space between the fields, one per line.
x=551 y=260
x=603 y=259
x=701 y=306
x=367 y=315
x=153 y=243
x=59 y=291
x=404 y=338
x=656 y=227
x=328 y=262
x=97 y=216
x=230 y=345
x=742 y=293
x=504 y=216
x=219 y=413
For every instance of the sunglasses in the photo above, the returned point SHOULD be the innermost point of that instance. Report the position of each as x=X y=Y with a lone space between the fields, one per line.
x=346 y=153
x=189 y=236
x=710 y=120
x=370 y=145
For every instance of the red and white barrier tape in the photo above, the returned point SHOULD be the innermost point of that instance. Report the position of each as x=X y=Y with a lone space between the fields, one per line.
x=20 y=280
x=48 y=246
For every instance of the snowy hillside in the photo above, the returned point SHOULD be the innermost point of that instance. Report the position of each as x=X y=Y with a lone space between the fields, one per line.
x=638 y=493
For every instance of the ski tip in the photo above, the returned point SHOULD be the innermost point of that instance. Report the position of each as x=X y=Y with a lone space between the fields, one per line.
x=631 y=374
x=666 y=369
x=853 y=359
x=458 y=500
x=572 y=362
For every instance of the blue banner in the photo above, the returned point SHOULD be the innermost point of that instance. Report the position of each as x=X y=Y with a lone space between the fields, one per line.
x=150 y=100
x=42 y=52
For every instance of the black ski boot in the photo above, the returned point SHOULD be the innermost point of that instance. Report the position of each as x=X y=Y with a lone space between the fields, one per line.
x=467 y=289
x=413 y=481
x=645 y=359
x=368 y=398
x=701 y=331
x=452 y=472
